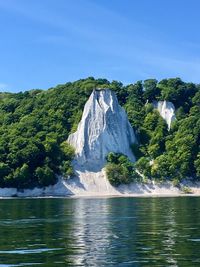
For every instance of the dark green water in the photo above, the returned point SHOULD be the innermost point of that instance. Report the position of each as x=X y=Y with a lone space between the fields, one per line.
x=100 y=232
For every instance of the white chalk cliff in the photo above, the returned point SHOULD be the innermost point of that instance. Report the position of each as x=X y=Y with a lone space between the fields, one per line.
x=166 y=110
x=104 y=128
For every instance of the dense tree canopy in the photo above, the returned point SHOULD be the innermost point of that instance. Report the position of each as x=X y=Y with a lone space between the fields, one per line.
x=34 y=127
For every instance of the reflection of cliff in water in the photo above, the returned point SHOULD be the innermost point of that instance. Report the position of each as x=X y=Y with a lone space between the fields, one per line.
x=101 y=230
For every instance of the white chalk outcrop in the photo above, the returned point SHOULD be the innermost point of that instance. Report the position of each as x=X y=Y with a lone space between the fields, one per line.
x=166 y=110
x=104 y=128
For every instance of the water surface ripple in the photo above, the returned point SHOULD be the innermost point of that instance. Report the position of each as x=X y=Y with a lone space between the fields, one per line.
x=100 y=232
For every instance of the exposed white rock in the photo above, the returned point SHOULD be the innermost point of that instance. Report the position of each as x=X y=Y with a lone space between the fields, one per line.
x=166 y=110
x=104 y=128
x=96 y=185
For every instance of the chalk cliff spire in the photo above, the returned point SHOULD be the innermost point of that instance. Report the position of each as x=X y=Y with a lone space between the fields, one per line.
x=104 y=128
x=166 y=110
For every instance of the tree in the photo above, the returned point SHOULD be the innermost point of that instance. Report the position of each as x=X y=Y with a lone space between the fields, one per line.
x=21 y=175
x=120 y=170
x=143 y=166
x=135 y=104
x=151 y=91
x=4 y=171
x=197 y=165
x=45 y=176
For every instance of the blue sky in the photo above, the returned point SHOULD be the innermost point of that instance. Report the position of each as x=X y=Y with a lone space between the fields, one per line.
x=47 y=42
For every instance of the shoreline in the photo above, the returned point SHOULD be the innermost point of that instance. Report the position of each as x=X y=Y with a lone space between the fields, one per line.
x=100 y=188
x=102 y=196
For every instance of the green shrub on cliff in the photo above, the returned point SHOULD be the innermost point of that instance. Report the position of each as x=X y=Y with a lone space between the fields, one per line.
x=120 y=170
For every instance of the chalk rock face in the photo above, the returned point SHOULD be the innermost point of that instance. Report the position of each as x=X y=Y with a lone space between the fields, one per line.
x=166 y=110
x=104 y=128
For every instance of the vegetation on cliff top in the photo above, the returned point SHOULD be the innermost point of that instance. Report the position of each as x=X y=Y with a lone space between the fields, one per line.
x=34 y=126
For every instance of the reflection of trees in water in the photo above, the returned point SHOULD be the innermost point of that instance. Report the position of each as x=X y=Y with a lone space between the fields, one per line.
x=157 y=232
x=165 y=227
x=32 y=224
x=102 y=232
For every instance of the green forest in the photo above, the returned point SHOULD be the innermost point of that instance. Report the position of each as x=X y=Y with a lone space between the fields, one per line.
x=34 y=127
